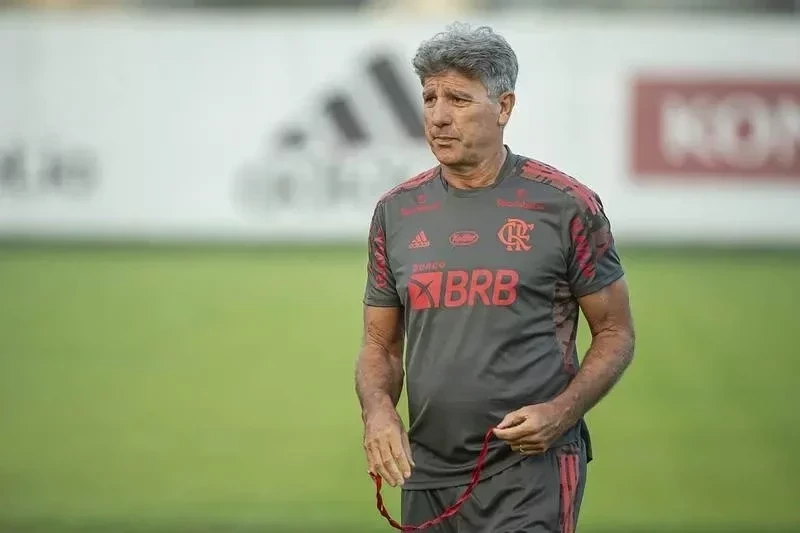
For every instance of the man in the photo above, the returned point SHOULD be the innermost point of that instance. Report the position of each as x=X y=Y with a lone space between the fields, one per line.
x=480 y=266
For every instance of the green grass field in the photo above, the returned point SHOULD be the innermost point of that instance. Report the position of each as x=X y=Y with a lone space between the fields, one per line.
x=211 y=390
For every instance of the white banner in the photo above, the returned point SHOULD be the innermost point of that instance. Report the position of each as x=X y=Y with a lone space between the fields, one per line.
x=291 y=128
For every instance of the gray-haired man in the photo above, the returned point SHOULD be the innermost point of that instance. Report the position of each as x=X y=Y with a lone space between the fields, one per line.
x=484 y=286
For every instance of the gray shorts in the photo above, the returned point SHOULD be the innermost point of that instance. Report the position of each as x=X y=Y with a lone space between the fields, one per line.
x=539 y=494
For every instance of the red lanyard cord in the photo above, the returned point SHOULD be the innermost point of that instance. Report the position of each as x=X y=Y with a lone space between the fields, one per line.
x=450 y=511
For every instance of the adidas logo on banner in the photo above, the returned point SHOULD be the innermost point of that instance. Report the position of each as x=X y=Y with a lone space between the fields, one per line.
x=384 y=109
x=419 y=241
x=357 y=142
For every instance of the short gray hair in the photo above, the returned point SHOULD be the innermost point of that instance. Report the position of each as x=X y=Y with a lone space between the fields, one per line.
x=478 y=53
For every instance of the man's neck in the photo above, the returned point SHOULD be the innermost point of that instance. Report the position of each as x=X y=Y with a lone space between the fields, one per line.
x=478 y=176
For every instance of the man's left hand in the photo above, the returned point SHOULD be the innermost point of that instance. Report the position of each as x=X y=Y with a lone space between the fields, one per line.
x=531 y=430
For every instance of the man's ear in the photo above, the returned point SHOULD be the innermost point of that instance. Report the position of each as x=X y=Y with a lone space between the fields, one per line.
x=506 y=102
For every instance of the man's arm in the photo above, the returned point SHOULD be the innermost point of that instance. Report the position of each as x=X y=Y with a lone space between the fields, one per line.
x=379 y=382
x=609 y=318
x=534 y=428
x=379 y=369
x=596 y=278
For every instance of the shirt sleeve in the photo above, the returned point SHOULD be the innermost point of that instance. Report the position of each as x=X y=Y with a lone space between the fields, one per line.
x=592 y=259
x=380 y=287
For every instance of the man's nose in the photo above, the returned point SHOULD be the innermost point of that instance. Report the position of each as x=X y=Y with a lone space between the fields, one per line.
x=440 y=114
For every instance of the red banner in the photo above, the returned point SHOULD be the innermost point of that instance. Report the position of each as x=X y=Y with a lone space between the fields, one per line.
x=719 y=128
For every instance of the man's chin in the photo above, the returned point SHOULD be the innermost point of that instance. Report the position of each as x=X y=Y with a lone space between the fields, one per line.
x=446 y=155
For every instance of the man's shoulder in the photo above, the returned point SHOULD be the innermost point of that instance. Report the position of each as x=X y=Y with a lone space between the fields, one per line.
x=411 y=185
x=567 y=187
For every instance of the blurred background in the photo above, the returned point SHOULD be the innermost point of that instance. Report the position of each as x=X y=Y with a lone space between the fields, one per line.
x=185 y=192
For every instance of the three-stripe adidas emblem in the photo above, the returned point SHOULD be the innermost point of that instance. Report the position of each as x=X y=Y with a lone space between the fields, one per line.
x=356 y=118
x=420 y=240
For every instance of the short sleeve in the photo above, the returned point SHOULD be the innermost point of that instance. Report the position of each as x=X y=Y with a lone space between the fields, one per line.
x=592 y=259
x=380 y=288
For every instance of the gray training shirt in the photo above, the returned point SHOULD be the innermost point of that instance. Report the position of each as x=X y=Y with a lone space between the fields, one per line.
x=488 y=280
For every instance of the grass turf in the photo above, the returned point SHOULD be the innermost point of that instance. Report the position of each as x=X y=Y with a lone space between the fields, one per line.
x=149 y=390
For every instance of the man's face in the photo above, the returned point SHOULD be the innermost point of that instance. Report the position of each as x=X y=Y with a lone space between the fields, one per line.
x=462 y=123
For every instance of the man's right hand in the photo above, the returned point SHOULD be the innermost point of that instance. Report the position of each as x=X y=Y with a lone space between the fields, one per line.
x=386 y=445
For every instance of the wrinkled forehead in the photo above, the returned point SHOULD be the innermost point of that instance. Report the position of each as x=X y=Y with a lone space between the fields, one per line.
x=452 y=81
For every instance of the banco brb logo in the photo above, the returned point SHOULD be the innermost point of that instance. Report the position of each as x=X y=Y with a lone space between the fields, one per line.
x=460 y=288
x=515 y=235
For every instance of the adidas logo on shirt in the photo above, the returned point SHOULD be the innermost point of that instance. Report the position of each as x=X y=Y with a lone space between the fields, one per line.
x=419 y=241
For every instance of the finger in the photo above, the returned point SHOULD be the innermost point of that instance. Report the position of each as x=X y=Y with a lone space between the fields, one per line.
x=379 y=466
x=373 y=459
x=527 y=444
x=511 y=419
x=407 y=448
x=400 y=459
x=376 y=461
x=530 y=439
x=514 y=433
x=530 y=446
x=527 y=449
x=389 y=464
